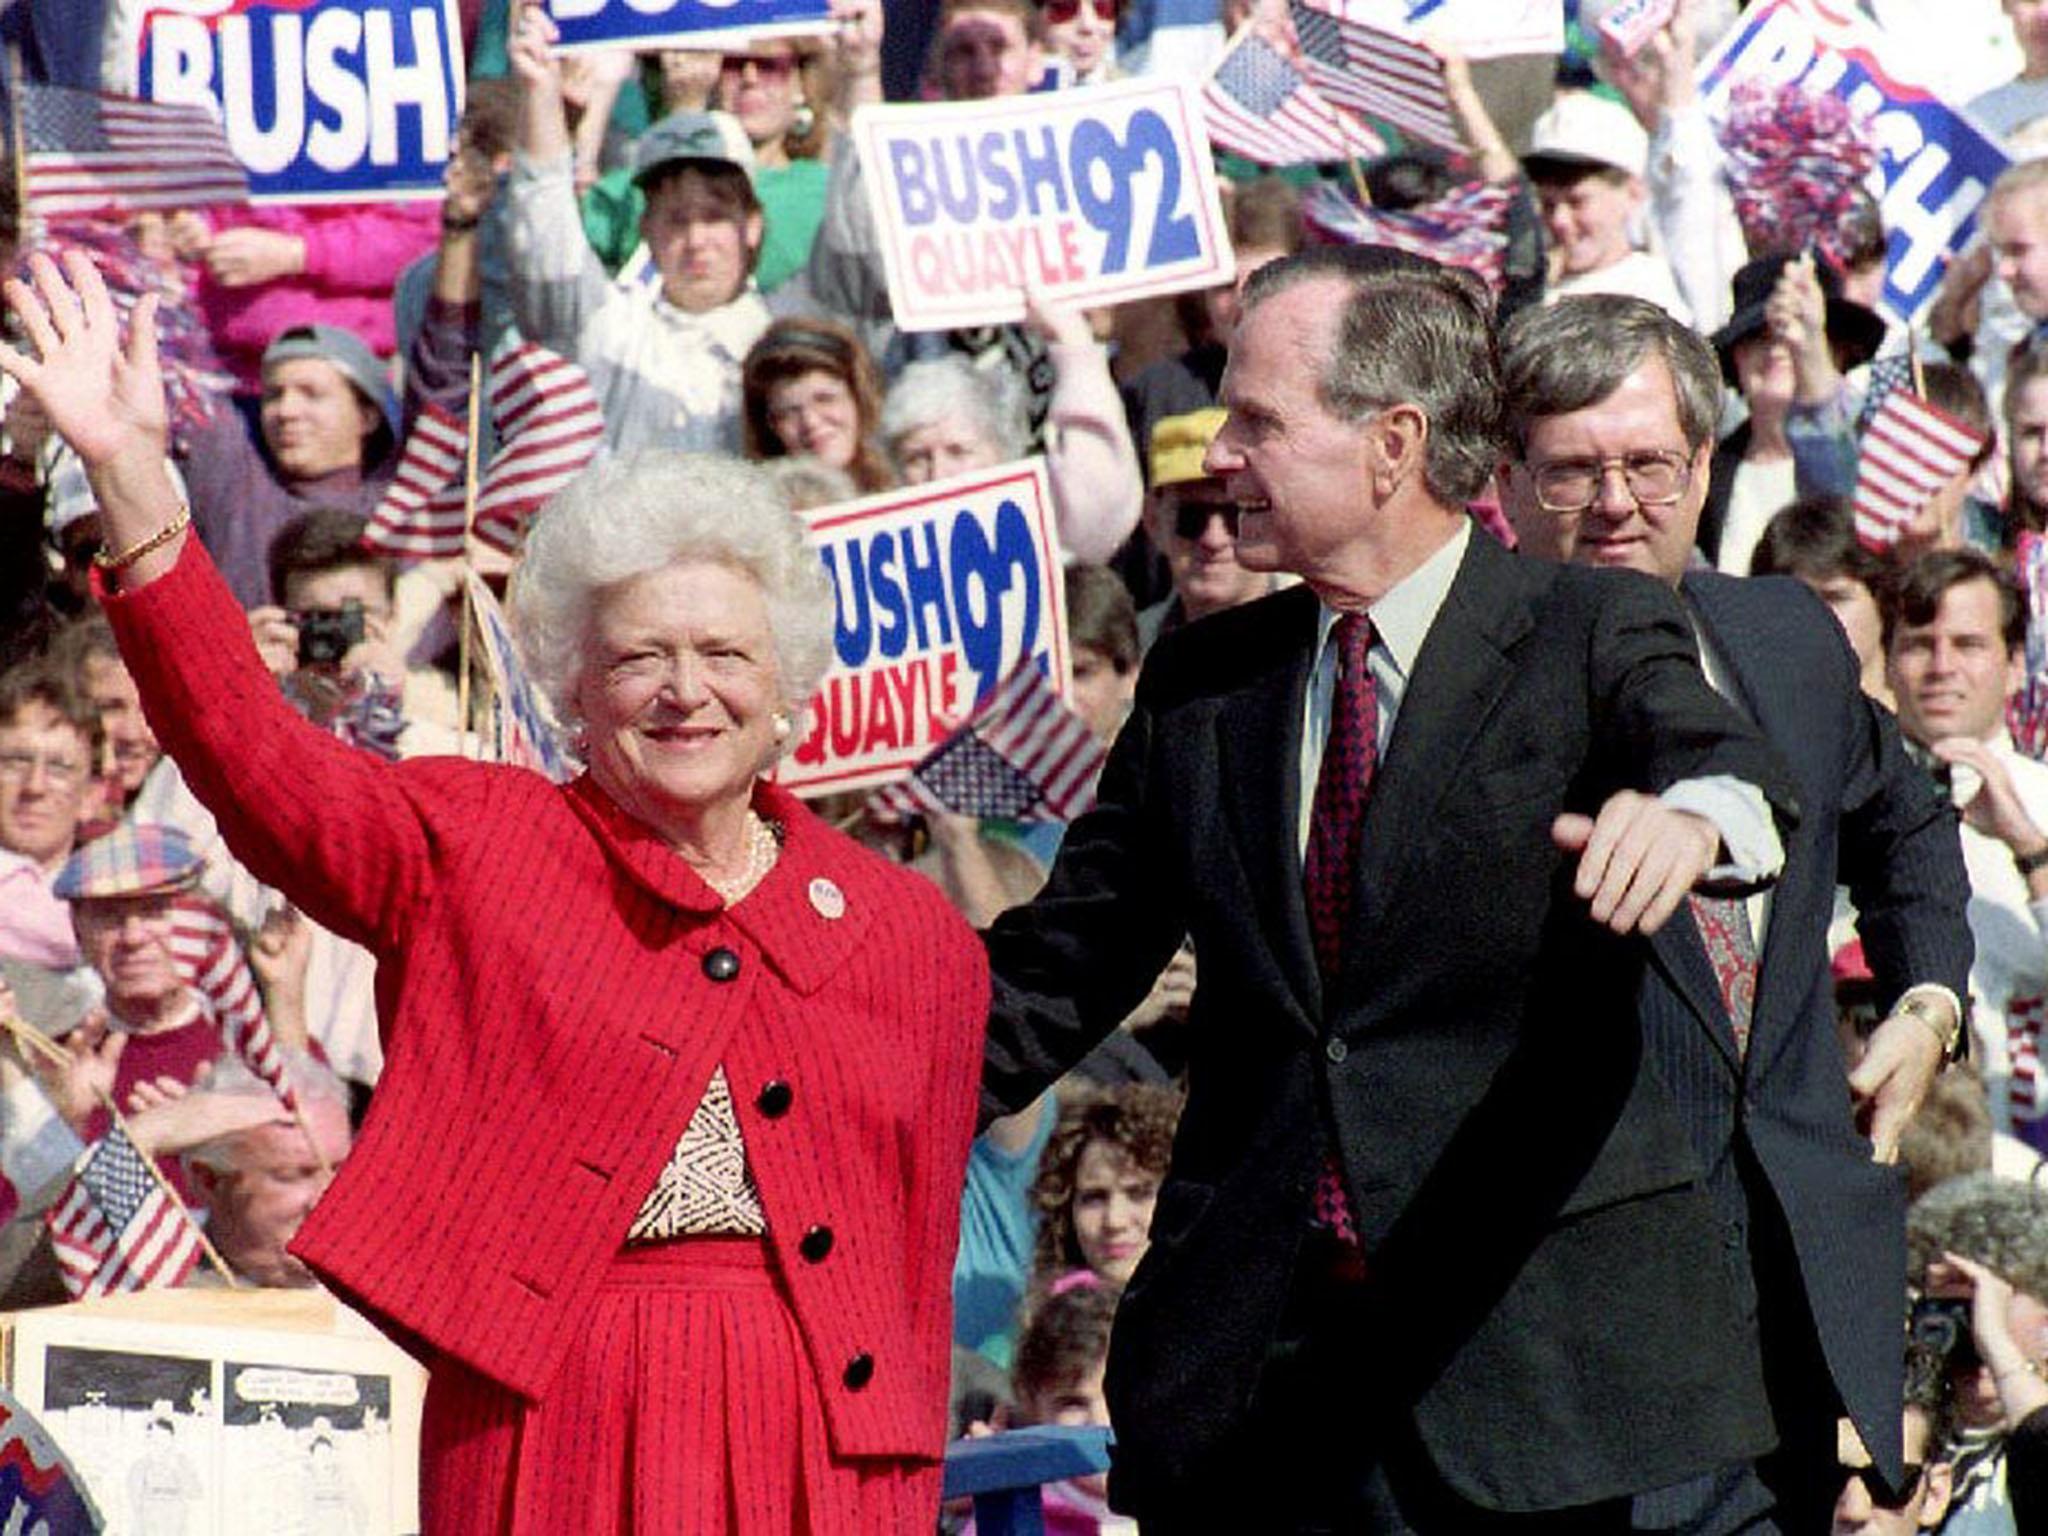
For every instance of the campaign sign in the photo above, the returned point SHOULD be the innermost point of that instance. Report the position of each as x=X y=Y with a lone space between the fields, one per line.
x=324 y=100
x=1481 y=29
x=1934 y=165
x=939 y=591
x=641 y=24
x=40 y=1495
x=1093 y=195
x=523 y=729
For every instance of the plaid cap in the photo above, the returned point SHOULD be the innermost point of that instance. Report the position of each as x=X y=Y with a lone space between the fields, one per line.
x=1179 y=444
x=148 y=859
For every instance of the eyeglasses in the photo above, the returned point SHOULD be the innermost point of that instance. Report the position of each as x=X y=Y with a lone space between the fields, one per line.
x=1059 y=12
x=769 y=67
x=1191 y=518
x=64 y=772
x=1875 y=1490
x=1655 y=479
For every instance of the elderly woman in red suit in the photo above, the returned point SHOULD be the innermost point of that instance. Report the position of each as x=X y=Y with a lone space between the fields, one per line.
x=663 y=1175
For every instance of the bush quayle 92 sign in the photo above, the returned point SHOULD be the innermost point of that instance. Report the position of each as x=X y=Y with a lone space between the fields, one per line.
x=324 y=100
x=1093 y=196
x=940 y=589
x=683 y=23
x=1934 y=163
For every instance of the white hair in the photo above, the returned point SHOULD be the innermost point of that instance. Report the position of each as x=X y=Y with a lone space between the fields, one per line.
x=636 y=512
x=311 y=1080
x=947 y=388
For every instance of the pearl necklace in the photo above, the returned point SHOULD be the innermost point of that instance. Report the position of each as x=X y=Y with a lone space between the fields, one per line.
x=762 y=848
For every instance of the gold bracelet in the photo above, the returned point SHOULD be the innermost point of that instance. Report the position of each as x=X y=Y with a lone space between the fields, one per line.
x=157 y=540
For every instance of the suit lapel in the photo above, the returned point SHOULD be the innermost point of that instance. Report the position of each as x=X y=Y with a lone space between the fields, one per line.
x=1778 y=698
x=1458 y=678
x=1677 y=950
x=1258 y=749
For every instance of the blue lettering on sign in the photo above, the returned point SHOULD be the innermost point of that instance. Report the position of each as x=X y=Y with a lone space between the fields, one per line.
x=335 y=99
x=978 y=564
x=1934 y=163
x=907 y=590
x=966 y=178
x=593 y=23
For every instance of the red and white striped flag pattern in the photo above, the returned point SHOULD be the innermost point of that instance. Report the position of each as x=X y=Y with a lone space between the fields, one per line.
x=549 y=426
x=1261 y=106
x=210 y=959
x=1467 y=227
x=1023 y=755
x=1910 y=449
x=1371 y=70
x=86 y=152
x=117 y=1228
x=420 y=515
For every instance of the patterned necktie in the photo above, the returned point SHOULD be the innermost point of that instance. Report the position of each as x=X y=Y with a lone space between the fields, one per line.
x=1330 y=869
x=1724 y=928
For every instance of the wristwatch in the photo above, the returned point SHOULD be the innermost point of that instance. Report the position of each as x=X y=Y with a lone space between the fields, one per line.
x=1954 y=1038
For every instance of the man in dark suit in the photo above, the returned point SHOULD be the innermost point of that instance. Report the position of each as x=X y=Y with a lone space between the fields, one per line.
x=1435 y=1252
x=1611 y=407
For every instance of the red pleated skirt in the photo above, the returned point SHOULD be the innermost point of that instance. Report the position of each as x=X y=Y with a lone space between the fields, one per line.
x=689 y=1408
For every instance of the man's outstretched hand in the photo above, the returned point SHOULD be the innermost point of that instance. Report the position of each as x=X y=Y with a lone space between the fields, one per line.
x=1638 y=859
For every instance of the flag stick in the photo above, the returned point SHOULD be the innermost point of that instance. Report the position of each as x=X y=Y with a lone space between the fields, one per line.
x=17 y=137
x=1913 y=353
x=476 y=364
x=28 y=1035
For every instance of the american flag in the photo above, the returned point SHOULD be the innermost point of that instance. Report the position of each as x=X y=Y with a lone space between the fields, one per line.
x=1374 y=71
x=1892 y=371
x=89 y=152
x=117 y=1228
x=1467 y=227
x=210 y=959
x=420 y=515
x=549 y=427
x=1260 y=105
x=1910 y=449
x=1022 y=755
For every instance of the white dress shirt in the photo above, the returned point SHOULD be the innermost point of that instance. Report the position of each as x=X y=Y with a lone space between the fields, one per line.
x=1401 y=620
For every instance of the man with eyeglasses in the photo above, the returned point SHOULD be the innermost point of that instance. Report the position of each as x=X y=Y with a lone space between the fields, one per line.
x=1611 y=410
x=49 y=737
x=1193 y=520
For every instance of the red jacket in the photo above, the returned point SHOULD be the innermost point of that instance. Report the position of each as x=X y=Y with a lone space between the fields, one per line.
x=551 y=1019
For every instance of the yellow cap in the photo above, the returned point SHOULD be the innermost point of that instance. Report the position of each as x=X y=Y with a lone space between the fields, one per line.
x=1179 y=442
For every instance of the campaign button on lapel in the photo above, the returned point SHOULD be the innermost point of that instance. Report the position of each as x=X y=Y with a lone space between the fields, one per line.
x=827 y=899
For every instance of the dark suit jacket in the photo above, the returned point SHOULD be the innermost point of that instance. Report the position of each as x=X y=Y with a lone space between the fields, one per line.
x=1872 y=819
x=1728 y=456
x=1565 y=1324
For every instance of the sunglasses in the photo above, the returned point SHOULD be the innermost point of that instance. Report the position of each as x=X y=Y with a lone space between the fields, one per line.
x=1191 y=518
x=771 y=67
x=1059 y=12
x=1874 y=1488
